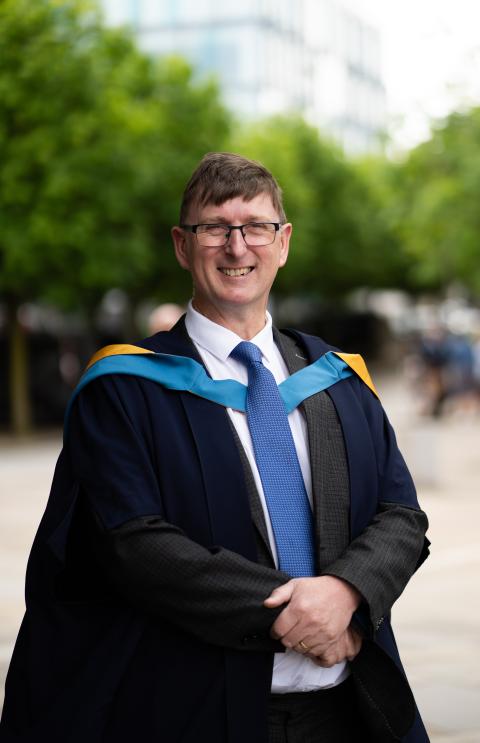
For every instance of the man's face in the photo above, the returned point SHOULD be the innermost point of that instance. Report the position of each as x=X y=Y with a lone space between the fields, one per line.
x=220 y=291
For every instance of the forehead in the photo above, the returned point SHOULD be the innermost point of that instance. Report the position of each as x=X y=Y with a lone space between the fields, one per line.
x=238 y=210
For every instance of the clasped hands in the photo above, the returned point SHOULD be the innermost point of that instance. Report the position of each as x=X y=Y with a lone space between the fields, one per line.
x=316 y=618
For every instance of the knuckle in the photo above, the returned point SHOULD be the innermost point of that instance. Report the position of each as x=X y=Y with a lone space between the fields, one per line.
x=329 y=661
x=330 y=635
x=303 y=604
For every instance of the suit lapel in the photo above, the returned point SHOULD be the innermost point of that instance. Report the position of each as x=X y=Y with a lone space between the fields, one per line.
x=265 y=555
x=222 y=472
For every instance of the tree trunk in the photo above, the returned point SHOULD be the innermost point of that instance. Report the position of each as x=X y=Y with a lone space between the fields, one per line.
x=20 y=405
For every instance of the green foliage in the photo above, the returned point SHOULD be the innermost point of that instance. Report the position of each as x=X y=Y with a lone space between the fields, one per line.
x=338 y=240
x=437 y=192
x=95 y=144
x=382 y=180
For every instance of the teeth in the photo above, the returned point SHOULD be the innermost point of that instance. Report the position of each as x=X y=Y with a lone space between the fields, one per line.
x=235 y=271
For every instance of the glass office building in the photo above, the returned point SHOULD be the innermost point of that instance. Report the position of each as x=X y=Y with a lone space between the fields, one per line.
x=270 y=56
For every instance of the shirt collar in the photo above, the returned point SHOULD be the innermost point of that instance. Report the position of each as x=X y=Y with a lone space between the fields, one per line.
x=220 y=341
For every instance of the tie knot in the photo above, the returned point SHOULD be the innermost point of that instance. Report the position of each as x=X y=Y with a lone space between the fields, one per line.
x=248 y=353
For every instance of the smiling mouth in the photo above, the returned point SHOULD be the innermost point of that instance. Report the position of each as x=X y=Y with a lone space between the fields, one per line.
x=236 y=271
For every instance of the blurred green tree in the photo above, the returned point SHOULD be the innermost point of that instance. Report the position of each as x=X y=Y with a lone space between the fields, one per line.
x=95 y=140
x=340 y=240
x=433 y=206
x=382 y=179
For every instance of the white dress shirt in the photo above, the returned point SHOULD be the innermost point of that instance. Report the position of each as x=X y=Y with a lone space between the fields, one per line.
x=292 y=671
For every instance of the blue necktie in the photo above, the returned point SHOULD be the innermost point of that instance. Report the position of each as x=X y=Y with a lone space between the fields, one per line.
x=278 y=465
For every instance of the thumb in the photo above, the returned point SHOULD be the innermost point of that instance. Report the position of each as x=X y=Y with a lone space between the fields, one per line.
x=280 y=595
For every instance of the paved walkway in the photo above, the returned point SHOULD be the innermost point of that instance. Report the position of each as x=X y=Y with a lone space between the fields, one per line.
x=437 y=618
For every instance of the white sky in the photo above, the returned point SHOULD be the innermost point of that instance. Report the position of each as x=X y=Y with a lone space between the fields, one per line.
x=431 y=59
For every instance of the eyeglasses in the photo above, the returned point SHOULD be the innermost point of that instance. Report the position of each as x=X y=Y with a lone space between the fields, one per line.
x=255 y=234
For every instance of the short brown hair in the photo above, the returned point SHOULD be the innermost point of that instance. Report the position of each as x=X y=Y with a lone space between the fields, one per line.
x=221 y=176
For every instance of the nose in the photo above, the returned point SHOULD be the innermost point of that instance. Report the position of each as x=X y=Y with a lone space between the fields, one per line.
x=236 y=244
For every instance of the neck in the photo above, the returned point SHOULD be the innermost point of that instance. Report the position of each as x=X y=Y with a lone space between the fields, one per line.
x=245 y=324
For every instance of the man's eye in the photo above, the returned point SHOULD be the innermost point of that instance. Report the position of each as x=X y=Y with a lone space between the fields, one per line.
x=215 y=230
x=259 y=228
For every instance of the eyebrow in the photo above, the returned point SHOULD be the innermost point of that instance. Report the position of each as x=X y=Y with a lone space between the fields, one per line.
x=222 y=220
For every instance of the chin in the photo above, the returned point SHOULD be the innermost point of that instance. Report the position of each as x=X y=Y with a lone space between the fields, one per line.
x=238 y=299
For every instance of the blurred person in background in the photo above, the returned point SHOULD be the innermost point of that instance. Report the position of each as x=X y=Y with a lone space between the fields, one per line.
x=476 y=364
x=446 y=372
x=229 y=525
x=460 y=372
x=433 y=357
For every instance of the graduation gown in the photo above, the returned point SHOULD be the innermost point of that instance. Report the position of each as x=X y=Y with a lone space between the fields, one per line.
x=122 y=639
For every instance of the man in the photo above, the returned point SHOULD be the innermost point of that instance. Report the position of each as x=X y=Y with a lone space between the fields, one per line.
x=229 y=525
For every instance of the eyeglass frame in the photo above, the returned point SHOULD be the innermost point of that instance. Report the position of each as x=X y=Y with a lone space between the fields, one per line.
x=228 y=228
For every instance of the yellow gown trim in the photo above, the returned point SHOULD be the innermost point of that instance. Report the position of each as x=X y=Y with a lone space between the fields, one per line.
x=116 y=349
x=356 y=362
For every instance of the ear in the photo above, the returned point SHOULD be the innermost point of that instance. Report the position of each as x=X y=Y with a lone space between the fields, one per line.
x=179 y=238
x=285 y=235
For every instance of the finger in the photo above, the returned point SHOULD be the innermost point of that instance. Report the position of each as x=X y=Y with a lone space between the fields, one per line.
x=294 y=635
x=357 y=639
x=283 y=626
x=319 y=650
x=353 y=646
x=280 y=595
x=285 y=622
x=302 y=647
x=302 y=630
x=331 y=653
x=325 y=661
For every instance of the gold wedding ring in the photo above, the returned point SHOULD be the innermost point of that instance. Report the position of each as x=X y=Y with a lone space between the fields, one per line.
x=302 y=645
